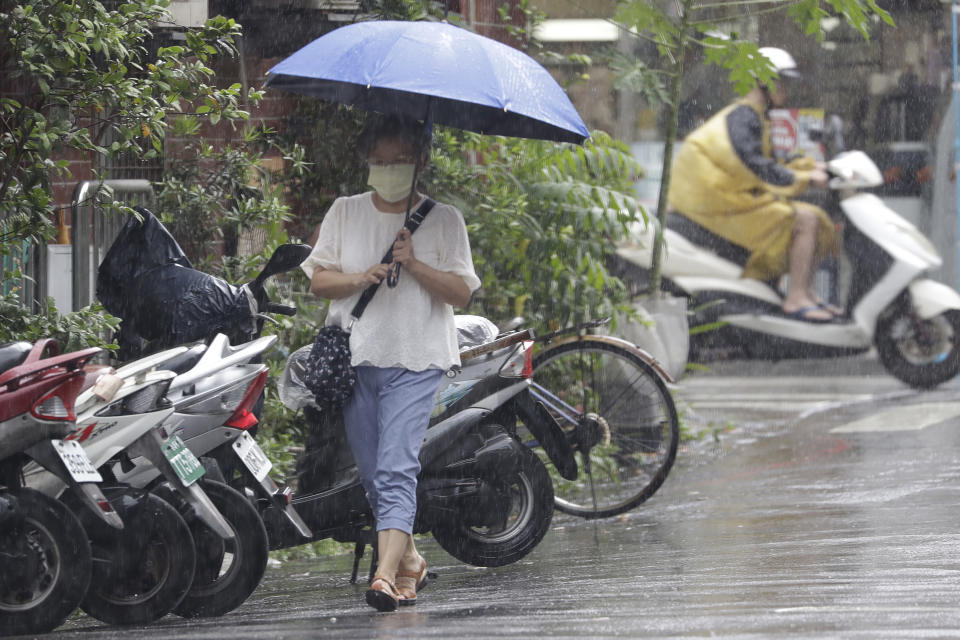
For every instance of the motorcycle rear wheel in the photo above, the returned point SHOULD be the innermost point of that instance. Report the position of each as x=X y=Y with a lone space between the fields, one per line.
x=228 y=571
x=61 y=552
x=528 y=510
x=921 y=352
x=145 y=588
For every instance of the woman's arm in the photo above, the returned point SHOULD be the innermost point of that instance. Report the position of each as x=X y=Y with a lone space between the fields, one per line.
x=448 y=287
x=331 y=284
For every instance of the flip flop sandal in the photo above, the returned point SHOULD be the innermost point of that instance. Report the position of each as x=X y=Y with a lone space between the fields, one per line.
x=383 y=595
x=832 y=308
x=801 y=314
x=416 y=580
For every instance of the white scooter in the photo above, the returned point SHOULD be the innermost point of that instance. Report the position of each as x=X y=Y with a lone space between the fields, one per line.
x=145 y=572
x=913 y=322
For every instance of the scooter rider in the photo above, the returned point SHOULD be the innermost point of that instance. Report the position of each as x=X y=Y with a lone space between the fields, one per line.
x=726 y=180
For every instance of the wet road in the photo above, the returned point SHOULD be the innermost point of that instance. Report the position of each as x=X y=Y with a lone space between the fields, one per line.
x=827 y=510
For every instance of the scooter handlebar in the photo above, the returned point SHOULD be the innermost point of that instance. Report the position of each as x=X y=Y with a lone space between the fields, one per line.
x=282 y=309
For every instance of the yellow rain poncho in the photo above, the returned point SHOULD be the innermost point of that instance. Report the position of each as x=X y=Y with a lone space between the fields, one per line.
x=725 y=179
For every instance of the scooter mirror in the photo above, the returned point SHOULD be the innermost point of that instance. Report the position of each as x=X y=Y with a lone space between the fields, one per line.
x=285 y=258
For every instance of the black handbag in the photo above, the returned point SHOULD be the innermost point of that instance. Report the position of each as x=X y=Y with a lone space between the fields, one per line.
x=328 y=373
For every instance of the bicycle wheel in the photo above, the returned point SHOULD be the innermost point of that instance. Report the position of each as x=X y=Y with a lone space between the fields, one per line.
x=618 y=415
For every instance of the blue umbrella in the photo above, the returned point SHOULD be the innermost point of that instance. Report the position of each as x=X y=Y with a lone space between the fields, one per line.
x=435 y=72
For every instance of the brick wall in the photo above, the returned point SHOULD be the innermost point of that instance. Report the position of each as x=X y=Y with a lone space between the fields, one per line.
x=271 y=112
x=484 y=17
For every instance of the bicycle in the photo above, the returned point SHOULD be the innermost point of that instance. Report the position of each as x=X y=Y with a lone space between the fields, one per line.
x=612 y=402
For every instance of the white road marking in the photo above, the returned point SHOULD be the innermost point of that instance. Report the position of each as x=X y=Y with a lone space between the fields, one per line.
x=911 y=417
x=792 y=404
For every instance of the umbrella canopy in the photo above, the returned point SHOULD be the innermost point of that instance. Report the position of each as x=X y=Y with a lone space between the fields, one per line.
x=435 y=72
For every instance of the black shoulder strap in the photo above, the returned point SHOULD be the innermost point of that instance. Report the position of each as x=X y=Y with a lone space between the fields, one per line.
x=413 y=223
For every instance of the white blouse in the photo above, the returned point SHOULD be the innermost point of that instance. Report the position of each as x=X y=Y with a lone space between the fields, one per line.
x=405 y=326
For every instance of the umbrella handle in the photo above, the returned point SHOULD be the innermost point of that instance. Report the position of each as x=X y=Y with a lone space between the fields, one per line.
x=393 y=276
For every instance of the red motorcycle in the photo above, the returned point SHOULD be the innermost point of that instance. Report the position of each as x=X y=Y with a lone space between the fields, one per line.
x=45 y=557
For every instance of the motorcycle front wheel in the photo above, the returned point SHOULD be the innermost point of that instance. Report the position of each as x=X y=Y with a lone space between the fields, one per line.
x=921 y=352
x=148 y=574
x=51 y=558
x=525 y=510
x=228 y=571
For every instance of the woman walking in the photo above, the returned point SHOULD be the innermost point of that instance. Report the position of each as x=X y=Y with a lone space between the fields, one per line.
x=402 y=343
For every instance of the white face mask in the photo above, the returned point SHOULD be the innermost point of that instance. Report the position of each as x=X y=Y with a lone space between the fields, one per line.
x=391 y=181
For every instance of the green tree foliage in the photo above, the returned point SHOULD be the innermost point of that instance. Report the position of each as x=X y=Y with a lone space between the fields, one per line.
x=328 y=134
x=211 y=195
x=73 y=331
x=677 y=26
x=83 y=79
x=542 y=219
x=77 y=74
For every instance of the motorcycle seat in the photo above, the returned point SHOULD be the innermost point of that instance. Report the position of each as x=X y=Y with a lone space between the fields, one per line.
x=13 y=354
x=703 y=237
x=186 y=360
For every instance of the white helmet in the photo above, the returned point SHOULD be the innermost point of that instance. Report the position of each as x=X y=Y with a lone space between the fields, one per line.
x=781 y=61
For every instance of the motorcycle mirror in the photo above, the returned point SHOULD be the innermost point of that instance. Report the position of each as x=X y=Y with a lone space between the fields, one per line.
x=285 y=258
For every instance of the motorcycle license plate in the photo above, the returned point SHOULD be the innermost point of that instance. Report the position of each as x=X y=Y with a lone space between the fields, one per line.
x=184 y=463
x=76 y=461
x=252 y=456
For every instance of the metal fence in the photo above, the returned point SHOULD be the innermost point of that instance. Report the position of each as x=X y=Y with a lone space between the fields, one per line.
x=94 y=229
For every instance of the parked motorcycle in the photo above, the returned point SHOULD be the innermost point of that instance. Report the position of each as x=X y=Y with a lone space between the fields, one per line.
x=144 y=573
x=46 y=559
x=486 y=498
x=215 y=396
x=913 y=322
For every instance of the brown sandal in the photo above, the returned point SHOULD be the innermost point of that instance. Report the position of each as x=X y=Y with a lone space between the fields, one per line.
x=383 y=595
x=413 y=581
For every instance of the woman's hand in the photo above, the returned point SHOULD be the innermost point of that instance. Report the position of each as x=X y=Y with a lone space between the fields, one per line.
x=332 y=284
x=373 y=275
x=403 y=248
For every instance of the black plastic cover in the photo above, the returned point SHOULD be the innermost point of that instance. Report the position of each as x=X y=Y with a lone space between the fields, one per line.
x=146 y=280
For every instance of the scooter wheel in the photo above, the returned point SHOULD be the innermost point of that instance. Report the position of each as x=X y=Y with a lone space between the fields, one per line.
x=146 y=574
x=921 y=352
x=525 y=509
x=46 y=568
x=228 y=571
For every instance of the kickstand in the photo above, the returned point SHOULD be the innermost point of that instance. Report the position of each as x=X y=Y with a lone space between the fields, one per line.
x=373 y=563
x=357 y=554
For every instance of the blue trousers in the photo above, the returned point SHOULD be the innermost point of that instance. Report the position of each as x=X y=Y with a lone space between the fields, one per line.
x=386 y=420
